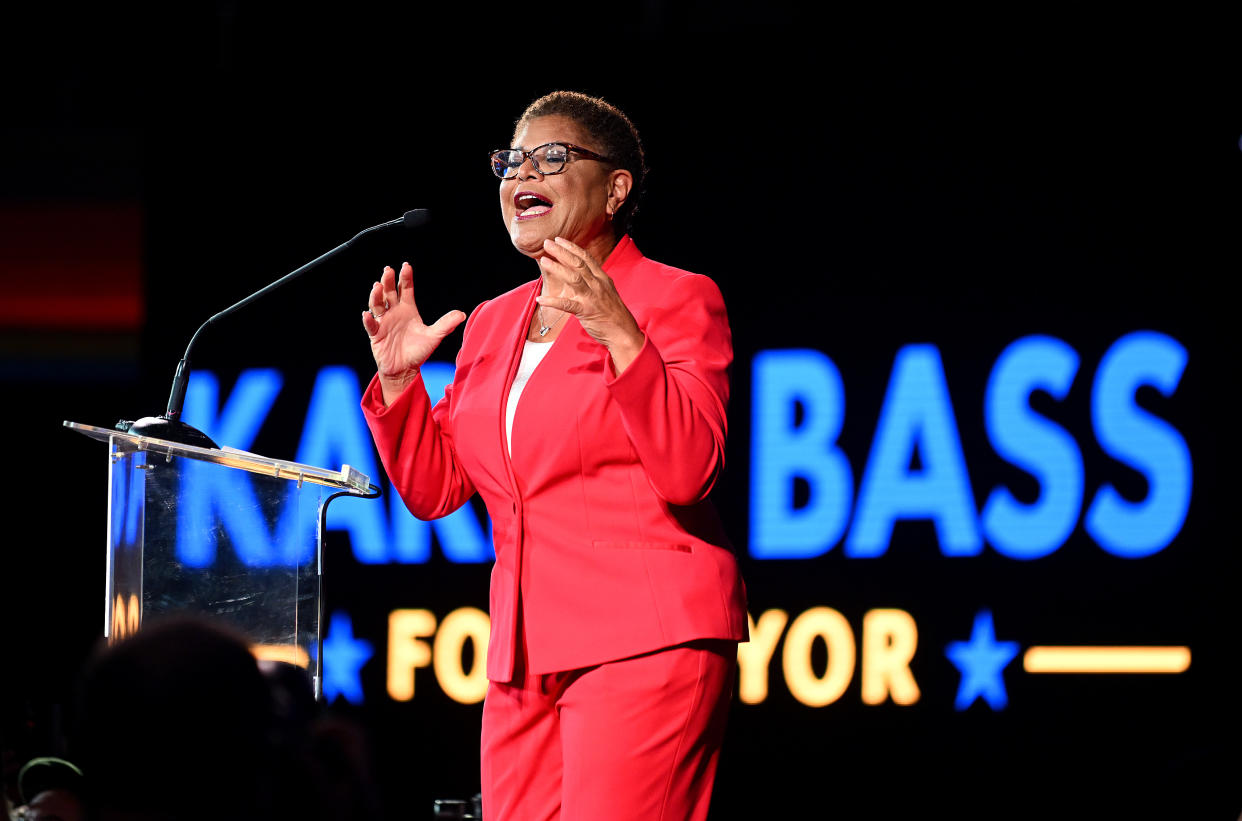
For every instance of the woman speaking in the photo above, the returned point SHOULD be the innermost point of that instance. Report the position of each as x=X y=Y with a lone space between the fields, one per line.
x=588 y=411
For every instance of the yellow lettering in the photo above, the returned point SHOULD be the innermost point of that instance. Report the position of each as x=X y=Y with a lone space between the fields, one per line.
x=809 y=688
x=125 y=617
x=287 y=653
x=753 y=656
x=407 y=650
x=889 y=640
x=118 y=619
x=883 y=656
x=462 y=625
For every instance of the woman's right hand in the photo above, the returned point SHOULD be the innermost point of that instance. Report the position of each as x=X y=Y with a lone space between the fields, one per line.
x=400 y=341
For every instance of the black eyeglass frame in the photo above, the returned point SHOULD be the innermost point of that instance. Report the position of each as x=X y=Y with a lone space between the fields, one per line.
x=530 y=155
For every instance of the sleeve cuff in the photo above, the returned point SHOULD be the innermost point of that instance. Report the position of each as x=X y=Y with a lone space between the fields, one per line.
x=634 y=381
x=373 y=398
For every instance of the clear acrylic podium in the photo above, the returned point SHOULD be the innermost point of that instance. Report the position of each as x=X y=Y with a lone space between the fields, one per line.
x=226 y=535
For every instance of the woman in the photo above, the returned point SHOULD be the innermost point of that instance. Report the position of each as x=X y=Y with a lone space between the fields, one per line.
x=588 y=410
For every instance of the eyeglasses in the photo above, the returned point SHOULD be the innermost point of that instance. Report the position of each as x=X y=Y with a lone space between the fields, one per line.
x=549 y=158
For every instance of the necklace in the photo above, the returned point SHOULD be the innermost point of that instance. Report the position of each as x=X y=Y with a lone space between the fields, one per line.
x=544 y=327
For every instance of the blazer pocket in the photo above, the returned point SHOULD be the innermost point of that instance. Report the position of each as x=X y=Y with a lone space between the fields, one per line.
x=677 y=548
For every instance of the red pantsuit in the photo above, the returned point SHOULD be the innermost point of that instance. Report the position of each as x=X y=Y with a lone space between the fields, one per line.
x=605 y=542
x=631 y=739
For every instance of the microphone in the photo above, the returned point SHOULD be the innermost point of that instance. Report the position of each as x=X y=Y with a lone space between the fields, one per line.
x=169 y=426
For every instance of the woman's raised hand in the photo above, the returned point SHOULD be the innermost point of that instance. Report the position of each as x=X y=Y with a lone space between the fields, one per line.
x=577 y=284
x=400 y=341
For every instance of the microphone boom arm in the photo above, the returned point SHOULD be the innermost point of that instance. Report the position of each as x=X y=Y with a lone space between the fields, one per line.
x=169 y=426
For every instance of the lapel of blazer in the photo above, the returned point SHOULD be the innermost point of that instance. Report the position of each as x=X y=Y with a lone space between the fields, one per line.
x=516 y=343
x=619 y=262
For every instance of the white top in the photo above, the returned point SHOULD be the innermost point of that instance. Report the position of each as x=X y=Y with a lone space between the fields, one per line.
x=532 y=354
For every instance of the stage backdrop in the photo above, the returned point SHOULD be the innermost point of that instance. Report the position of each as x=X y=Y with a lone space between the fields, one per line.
x=978 y=449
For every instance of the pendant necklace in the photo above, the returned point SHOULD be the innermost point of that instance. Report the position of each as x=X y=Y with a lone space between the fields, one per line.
x=544 y=327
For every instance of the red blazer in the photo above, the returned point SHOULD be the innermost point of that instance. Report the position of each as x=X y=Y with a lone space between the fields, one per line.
x=601 y=517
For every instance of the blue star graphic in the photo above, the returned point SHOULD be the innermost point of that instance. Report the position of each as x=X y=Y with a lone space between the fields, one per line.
x=343 y=657
x=981 y=662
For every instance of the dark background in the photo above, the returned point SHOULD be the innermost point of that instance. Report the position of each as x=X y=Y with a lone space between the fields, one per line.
x=852 y=185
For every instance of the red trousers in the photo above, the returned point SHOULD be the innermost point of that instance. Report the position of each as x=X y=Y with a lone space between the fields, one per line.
x=627 y=740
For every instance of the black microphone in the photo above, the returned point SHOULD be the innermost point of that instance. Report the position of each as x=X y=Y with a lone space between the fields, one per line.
x=169 y=426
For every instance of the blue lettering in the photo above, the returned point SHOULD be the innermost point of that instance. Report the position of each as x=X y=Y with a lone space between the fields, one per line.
x=336 y=434
x=917 y=417
x=411 y=537
x=462 y=538
x=783 y=450
x=436 y=377
x=1041 y=448
x=1141 y=441
x=206 y=487
x=128 y=503
x=460 y=535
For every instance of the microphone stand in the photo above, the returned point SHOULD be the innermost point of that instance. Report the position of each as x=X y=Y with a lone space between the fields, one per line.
x=169 y=426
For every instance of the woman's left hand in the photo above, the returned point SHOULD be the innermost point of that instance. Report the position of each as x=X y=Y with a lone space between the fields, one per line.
x=578 y=285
